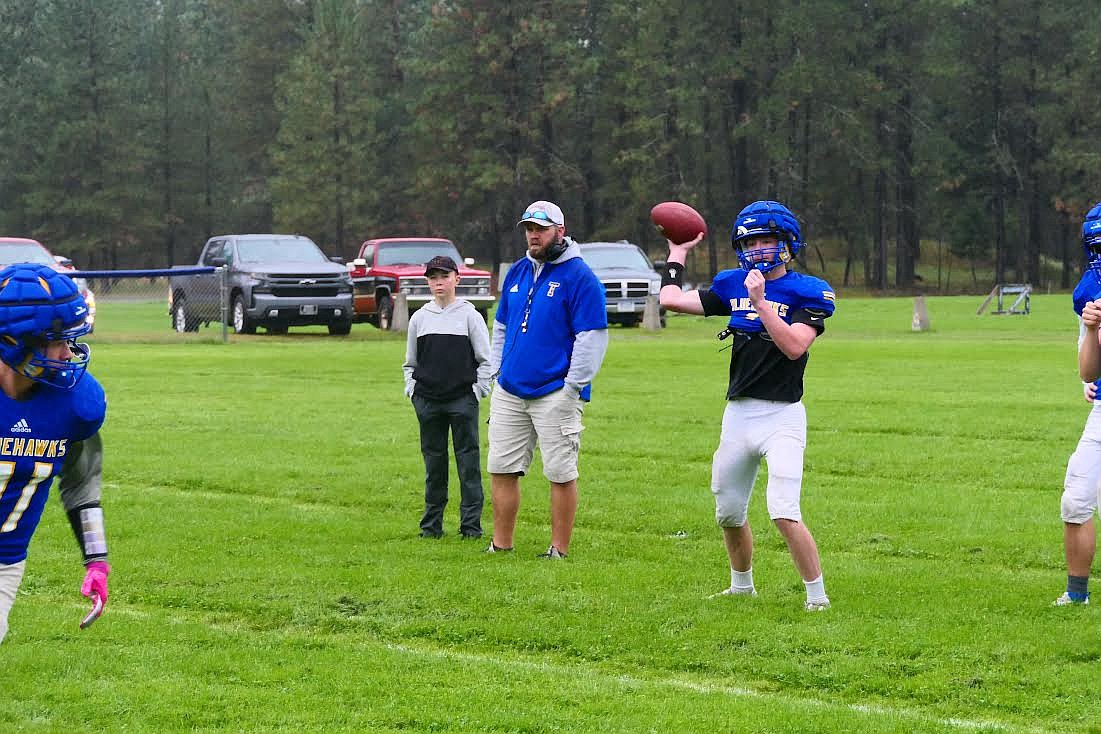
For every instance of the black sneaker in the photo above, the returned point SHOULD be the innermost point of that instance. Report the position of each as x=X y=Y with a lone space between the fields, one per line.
x=552 y=552
x=469 y=535
x=429 y=534
x=494 y=549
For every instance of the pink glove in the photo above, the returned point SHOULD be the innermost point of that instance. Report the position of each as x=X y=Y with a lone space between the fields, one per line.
x=95 y=588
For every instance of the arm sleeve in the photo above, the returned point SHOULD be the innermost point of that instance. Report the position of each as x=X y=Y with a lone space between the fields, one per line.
x=479 y=340
x=82 y=474
x=589 y=348
x=714 y=304
x=812 y=317
x=497 y=349
x=79 y=488
x=410 y=360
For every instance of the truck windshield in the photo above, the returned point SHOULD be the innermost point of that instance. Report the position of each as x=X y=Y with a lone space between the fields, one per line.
x=611 y=258
x=414 y=253
x=299 y=250
x=24 y=252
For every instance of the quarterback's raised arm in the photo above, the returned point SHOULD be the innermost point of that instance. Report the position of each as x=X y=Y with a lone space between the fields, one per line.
x=672 y=295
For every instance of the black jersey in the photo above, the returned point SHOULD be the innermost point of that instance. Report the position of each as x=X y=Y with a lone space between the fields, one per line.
x=758 y=369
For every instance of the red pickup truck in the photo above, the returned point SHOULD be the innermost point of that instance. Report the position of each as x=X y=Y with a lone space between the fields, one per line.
x=385 y=267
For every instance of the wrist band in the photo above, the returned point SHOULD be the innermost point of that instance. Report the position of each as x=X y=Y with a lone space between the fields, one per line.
x=673 y=274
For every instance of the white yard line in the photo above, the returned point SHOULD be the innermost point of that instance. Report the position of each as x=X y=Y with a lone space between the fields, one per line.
x=896 y=712
x=674 y=682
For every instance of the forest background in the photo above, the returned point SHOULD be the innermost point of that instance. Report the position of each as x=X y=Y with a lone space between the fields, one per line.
x=900 y=131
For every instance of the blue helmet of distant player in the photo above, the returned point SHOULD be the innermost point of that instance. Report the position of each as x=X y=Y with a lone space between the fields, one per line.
x=766 y=219
x=38 y=305
x=1091 y=239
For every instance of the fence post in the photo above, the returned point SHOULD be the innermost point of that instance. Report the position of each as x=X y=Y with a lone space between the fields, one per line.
x=921 y=315
x=651 y=316
x=399 y=320
x=223 y=282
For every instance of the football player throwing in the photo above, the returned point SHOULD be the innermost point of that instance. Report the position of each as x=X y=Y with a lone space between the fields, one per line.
x=774 y=315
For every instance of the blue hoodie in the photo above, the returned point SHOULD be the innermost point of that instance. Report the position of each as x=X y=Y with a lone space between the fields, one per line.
x=542 y=317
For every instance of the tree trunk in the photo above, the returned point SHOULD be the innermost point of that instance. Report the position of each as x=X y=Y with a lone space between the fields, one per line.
x=908 y=243
x=879 y=208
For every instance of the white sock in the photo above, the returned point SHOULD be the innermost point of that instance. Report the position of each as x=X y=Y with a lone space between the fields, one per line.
x=816 y=589
x=741 y=579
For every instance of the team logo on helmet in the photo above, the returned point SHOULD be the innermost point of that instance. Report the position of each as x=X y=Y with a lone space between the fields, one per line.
x=38 y=305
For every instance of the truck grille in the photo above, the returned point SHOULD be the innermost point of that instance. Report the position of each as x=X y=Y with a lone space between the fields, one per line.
x=316 y=286
x=626 y=288
x=473 y=287
x=304 y=291
x=470 y=287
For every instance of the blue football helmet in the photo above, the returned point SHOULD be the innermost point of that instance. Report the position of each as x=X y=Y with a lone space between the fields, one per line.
x=771 y=219
x=1091 y=239
x=40 y=305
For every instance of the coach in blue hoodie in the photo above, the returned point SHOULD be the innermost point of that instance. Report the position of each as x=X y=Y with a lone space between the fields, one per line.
x=549 y=339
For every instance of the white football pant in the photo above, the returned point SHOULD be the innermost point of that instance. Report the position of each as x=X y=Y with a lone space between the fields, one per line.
x=755 y=429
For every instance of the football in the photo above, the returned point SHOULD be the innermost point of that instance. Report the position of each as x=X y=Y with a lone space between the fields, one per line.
x=677 y=222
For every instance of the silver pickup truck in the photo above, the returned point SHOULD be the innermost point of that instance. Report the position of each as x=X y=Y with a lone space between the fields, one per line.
x=270 y=280
x=628 y=277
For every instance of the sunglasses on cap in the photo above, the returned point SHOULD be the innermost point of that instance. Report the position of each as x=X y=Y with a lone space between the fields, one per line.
x=538 y=215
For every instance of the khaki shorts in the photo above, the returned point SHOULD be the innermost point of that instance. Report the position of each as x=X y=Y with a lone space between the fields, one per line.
x=516 y=425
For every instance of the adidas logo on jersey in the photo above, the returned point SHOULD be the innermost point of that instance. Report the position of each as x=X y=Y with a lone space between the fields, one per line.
x=21 y=426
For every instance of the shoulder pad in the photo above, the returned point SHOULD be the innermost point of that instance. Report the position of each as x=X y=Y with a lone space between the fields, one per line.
x=89 y=404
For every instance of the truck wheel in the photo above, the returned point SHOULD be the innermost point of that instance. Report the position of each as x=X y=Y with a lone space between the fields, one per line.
x=385 y=313
x=242 y=324
x=340 y=328
x=182 y=321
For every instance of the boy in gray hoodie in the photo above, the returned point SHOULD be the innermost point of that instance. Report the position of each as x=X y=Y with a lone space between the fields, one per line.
x=447 y=372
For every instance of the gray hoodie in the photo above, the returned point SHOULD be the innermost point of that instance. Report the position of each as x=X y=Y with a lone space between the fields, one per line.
x=447 y=352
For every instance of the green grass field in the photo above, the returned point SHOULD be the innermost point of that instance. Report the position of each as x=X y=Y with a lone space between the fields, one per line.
x=262 y=503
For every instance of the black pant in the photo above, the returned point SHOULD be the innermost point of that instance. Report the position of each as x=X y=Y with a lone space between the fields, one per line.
x=461 y=416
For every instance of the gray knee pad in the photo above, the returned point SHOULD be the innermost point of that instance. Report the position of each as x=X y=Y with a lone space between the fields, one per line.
x=1077 y=507
x=731 y=507
x=1080 y=488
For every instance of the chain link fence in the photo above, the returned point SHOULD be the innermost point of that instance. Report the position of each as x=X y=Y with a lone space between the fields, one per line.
x=144 y=302
x=202 y=303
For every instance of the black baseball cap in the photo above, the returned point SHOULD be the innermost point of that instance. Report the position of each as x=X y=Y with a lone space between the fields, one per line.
x=440 y=262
